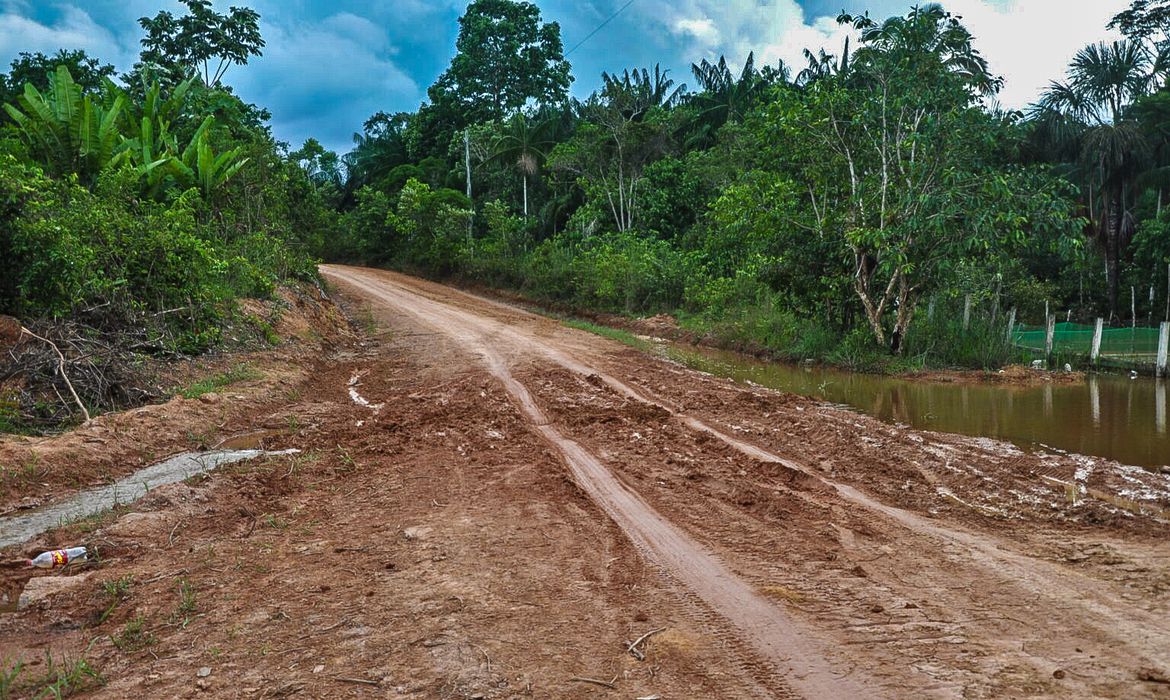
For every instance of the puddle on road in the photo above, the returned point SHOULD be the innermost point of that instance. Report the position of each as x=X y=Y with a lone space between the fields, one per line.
x=15 y=529
x=1105 y=416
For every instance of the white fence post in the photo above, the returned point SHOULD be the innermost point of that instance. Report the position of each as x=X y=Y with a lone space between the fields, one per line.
x=1163 y=347
x=1095 y=352
x=1049 y=336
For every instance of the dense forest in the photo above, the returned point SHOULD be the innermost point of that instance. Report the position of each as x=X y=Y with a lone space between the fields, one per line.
x=844 y=210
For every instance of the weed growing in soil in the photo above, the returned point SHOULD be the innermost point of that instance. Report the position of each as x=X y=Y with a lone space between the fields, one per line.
x=239 y=373
x=89 y=523
x=8 y=676
x=188 y=603
x=347 y=461
x=58 y=680
x=20 y=475
x=365 y=318
x=117 y=590
x=275 y=522
x=624 y=337
x=134 y=635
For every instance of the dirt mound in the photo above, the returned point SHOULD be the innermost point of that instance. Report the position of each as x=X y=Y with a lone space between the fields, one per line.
x=660 y=326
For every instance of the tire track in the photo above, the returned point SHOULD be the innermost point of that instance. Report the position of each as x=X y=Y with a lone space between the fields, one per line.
x=796 y=655
x=1099 y=609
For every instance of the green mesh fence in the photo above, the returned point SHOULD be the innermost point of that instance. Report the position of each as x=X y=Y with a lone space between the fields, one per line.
x=1140 y=343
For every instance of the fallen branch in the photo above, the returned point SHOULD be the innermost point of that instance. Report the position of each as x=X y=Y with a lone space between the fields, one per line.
x=605 y=684
x=632 y=648
x=61 y=370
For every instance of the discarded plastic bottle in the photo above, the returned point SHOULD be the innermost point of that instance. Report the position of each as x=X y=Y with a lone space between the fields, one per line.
x=59 y=558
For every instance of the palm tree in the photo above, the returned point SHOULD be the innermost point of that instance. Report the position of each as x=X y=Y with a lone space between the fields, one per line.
x=525 y=143
x=822 y=65
x=1088 y=118
x=638 y=91
x=726 y=98
x=380 y=148
x=926 y=32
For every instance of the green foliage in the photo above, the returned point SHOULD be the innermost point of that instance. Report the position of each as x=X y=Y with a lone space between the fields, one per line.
x=235 y=375
x=71 y=247
x=39 y=70
x=942 y=341
x=505 y=56
x=53 y=679
x=133 y=636
x=621 y=336
x=68 y=131
x=201 y=42
x=433 y=225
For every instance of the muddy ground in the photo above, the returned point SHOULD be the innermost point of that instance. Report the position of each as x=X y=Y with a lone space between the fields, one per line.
x=490 y=505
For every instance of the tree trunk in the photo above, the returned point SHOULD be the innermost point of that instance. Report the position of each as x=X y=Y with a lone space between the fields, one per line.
x=906 y=304
x=524 y=178
x=1113 y=252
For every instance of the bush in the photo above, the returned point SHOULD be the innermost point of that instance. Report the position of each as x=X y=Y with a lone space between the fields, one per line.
x=630 y=273
x=71 y=249
x=942 y=341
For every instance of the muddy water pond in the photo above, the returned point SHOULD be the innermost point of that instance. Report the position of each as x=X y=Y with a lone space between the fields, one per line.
x=1106 y=416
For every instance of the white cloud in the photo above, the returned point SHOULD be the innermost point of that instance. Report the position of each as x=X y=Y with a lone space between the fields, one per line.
x=74 y=29
x=1029 y=42
x=773 y=30
x=702 y=29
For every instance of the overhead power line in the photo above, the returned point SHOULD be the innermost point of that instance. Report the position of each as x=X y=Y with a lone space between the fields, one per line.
x=599 y=28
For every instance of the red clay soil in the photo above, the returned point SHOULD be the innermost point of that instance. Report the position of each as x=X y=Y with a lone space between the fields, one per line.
x=490 y=505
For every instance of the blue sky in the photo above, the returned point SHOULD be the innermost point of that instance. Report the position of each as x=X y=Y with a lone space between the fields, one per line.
x=329 y=64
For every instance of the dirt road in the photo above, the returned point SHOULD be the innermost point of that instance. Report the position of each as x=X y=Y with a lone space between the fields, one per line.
x=800 y=655
x=494 y=505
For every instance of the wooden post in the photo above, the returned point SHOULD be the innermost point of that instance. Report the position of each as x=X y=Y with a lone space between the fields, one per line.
x=1095 y=351
x=467 y=165
x=1011 y=326
x=966 y=312
x=1150 y=322
x=1163 y=347
x=1133 y=306
x=1049 y=336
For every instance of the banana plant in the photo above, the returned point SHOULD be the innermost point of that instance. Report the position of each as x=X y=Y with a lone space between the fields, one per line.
x=69 y=133
x=199 y=166
x=160 y=160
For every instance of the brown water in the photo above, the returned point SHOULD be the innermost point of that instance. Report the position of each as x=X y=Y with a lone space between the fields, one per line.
x=1106 y=416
